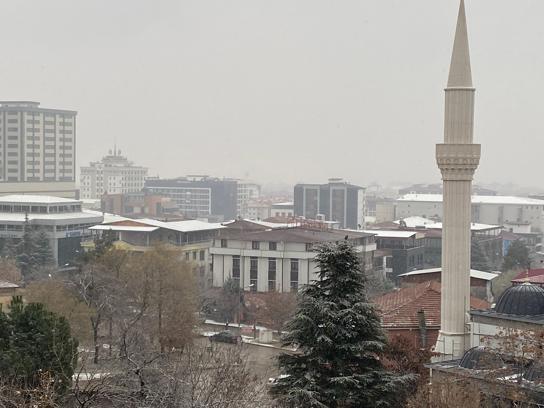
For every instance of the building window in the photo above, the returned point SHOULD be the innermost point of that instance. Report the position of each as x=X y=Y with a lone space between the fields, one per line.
x=223 y=243
x=255 y=244
x=272 y=246
x=271 y=274
x=309 y=247
x=253 y=273
x=236 y=269
x=202 y=255
x=194 y=255
x=294 y=275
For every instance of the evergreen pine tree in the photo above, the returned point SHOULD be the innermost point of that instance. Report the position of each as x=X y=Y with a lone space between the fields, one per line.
x=517 y=257
x=26 y=250
x=478 y=258
x=43 y=255
x=34 y=341
x=339 y=339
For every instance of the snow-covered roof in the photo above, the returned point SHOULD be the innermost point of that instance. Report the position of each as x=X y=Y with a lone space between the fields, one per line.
x=474 y=273
x=476 y=199
x=182 y=226
x=108 y=218
x=8 y=285
x=36 y=199
x=82 y=216
x=394 y=233
x=474 y=226
x=128 y=228
x=415 y=221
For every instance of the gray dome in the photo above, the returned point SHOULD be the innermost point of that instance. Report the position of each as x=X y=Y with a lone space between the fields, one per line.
x=523 y=300
x=478 y=358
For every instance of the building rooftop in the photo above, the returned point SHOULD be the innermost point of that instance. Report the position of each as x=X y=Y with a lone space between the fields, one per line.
x=395 y=233
x=149 y=225
x=8 y=285
x=36 y=199
x=400 y=308
x=298 y=234
x=473 y=273
x=476 y=199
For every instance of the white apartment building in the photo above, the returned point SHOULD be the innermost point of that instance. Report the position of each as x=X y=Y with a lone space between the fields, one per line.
x=64 y=221
x=246 y=193
x=281 y=259
x=37 y=149
x=495 y=210
x=114 y=174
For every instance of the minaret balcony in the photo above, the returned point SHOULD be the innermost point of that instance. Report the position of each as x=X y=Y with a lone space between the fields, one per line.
x=457 y=162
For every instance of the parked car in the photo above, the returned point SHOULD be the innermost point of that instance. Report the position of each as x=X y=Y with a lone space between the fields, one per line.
x=226 y=337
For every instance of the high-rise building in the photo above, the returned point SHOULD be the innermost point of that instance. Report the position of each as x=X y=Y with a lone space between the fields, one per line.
x=199 y=196
x=114 y=174
x=457 y=158
x=37 y=149
x=247 y=192
x=335 y=201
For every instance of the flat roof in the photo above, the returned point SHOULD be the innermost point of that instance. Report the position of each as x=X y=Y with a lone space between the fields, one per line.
x=301 y=235
x=36 y=199
x=126 y=228
x=180 y=226
x=476 y=199
x=82 y=215
x=474 y=273
x=394 y=233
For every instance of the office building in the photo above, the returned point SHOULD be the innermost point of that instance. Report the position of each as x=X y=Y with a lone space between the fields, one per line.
x=199 y=196
x=264 y=259
x=37 y=149
x=114 y=174
x=64 y=221
x=248 y=192
x=335 y=201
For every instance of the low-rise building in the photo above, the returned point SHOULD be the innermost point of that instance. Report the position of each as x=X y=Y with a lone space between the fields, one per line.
x=192 y=237
x=282 y=210
x=493 y=210
x=139 y=204
x=63 y=220
x=267 y=259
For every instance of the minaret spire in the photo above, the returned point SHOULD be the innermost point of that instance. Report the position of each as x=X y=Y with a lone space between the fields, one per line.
x=460 y=74
x=458 y=157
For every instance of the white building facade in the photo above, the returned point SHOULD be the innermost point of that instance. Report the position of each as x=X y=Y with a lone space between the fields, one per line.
x=63 y=220
x=496 y=210
x=280 y=259
x=114 y=174
x=37 y=149
x=247 y=193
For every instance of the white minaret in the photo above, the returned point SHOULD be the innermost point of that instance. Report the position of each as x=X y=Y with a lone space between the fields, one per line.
x=457 y=159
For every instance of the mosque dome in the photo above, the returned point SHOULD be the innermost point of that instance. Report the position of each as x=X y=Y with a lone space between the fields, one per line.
x=523 y=300
x=479 y=358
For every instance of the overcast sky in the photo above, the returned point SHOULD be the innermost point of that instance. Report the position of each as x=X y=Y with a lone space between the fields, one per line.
x=281 y=90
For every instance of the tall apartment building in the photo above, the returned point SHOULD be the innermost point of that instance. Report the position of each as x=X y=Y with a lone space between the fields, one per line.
x=114 y=174
x=247 y=193
x=335 y=201
x=37 y=149
x=199 y=196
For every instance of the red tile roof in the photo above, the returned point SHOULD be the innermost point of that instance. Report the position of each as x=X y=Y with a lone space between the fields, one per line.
x=529 y=273
x=399 y=308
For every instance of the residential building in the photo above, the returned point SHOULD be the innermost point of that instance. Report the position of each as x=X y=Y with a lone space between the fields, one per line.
x=139 y=205
x=335 y=201
x=64 y=221
x=267 y=259
x=199 y=196
x=495 y=210
x=398 y=252
x=247 y=192
x=282 y=210
x=37 y=149
x=480 y=281
x=259 y=210
x=192 y=237
x=114 y=174
x=414 y=312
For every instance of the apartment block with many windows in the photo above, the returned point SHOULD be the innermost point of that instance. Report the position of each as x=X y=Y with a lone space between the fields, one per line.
x=37 y=149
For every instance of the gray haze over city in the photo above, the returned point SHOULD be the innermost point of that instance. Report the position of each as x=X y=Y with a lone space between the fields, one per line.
x=280 y=91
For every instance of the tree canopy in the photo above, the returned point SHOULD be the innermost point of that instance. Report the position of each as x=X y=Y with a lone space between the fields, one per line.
x=339 y=340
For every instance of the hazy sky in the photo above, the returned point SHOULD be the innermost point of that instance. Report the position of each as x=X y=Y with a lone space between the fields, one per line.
x=281 y=90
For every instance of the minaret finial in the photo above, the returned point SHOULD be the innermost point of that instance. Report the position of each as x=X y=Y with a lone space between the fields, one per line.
x=460 y=74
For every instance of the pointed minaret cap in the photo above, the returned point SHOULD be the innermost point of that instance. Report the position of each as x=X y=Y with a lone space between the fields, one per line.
x=460 y=74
